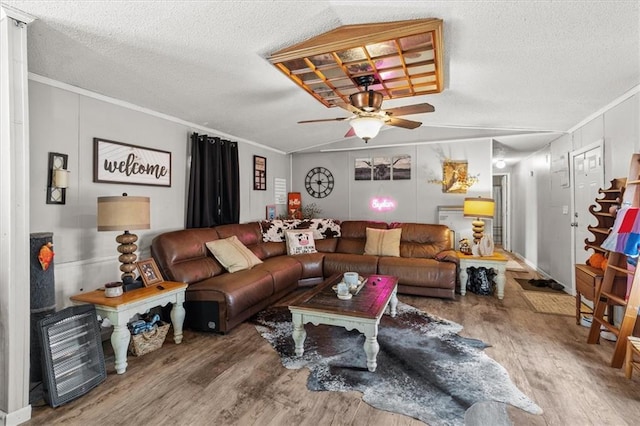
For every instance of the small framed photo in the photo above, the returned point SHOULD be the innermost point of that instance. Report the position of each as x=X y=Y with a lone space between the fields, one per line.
x=149 y=272
x=259 y=173
x=271 y=212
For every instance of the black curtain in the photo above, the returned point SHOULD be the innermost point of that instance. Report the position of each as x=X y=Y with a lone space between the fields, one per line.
x=214 y=182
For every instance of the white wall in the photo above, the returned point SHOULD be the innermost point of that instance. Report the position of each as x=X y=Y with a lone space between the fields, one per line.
x=540 y=228
x=417 y=199
x=66 y=121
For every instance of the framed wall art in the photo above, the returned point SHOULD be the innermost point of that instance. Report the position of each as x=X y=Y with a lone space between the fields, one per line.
x=117 y=162
x=259 y=173
x=455 y=177
x=401 y=167
x=397 y=167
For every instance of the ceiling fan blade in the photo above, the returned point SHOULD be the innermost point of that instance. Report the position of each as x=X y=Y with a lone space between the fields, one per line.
x=324 y=119
x=410 y=109
x=401 y=122
x=350 y=133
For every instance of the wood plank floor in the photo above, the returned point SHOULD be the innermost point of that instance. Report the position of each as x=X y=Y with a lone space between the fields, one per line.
x=237 y=379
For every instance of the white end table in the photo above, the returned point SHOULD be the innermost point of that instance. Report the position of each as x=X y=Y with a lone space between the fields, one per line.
x=121 y=309
x=496 y=261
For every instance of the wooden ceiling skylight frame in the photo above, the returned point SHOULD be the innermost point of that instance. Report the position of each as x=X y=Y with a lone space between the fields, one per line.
x=327 y=66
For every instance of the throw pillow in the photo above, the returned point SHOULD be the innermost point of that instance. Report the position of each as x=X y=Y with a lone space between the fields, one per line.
x=383 y=242
x=299 y=242
x=232 y=254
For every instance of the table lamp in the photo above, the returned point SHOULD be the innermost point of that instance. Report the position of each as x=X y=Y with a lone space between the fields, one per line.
x=478 y=208
x=124 y=213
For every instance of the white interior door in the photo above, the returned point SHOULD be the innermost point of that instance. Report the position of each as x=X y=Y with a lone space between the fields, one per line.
x=588 y=177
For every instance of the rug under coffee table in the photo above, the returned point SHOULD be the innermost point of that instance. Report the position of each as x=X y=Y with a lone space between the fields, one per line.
x=362 y=312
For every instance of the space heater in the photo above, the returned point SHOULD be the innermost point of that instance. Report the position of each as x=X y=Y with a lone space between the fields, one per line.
x=72 y=357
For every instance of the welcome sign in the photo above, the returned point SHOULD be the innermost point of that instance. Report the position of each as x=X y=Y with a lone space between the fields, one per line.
x=116 y=162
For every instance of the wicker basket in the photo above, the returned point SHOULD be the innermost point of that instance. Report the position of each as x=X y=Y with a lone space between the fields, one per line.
x=149 y=341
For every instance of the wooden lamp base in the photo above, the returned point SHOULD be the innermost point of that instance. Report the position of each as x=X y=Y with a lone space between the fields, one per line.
x=478 y=230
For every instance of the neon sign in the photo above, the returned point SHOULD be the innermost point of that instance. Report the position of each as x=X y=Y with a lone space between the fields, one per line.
x=382 y=204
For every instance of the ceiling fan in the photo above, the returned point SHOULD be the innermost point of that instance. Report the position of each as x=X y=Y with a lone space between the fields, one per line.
x=368 y=117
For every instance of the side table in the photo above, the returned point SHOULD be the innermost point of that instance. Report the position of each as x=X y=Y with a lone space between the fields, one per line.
x=496 y=261
x=121 y=309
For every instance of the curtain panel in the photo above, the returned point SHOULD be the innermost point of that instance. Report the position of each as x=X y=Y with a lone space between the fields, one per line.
x=214 y=182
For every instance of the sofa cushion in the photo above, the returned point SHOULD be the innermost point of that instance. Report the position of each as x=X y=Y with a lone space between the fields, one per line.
x=419 y=272
x=420 y=240
x=300 y=242
x=241 y=290
x=232 y=254
x=182 y=255
x=338 y=263
x=285 y=271
x=354 y=235
x=311 y=264
x=383 y=242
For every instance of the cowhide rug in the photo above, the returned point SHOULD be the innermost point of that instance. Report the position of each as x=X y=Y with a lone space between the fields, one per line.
x=425 y=369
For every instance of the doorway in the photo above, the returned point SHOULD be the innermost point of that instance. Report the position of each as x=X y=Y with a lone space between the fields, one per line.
x=588 y=178
x=501 y=219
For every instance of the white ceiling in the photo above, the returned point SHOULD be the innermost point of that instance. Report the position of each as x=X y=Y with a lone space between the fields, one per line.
x=513 y=69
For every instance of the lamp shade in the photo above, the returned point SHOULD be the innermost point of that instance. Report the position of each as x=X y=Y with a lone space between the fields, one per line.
x=478 y=207
x=61 y=178
x=366 y=127
x=123 y=213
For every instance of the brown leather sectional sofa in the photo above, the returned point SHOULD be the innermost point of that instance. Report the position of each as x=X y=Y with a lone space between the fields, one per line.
x=218 y=301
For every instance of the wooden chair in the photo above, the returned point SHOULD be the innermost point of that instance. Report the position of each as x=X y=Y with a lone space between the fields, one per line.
x=633 y=348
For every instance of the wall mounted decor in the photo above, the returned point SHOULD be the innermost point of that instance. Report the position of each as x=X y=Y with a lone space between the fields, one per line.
x=57 y=178
x=397 y=167
x=280 y=191
x=401 y=167
x=382 y=168
x=294 y=205
x=117 y=162
x=363 y=170
x=259 y=173
x=455 y=177
x=319 y=182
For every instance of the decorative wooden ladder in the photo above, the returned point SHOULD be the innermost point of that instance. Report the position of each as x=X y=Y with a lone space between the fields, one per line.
x=617 y=262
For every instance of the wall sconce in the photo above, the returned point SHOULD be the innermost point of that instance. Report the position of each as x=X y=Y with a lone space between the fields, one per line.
x=478 y=208
x=58 y=179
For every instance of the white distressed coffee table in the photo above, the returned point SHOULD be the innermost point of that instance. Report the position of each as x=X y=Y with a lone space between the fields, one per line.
x=362 y=312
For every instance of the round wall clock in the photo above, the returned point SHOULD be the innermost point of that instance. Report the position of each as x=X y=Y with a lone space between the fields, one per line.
x=319 y=182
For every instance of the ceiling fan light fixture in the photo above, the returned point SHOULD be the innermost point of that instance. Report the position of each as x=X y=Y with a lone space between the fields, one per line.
x=366 y=127
x=368 y=100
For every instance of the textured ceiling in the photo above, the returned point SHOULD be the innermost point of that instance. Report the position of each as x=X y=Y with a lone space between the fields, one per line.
x=513 y=66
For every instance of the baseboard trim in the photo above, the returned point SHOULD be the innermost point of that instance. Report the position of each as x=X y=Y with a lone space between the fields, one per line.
x=16 y=417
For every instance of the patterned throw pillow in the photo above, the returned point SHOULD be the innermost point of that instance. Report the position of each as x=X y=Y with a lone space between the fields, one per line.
x=232 y=254
x=300 y=242
x=383 y=242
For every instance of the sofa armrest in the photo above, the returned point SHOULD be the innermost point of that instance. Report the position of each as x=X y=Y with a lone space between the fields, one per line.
x=448 y=256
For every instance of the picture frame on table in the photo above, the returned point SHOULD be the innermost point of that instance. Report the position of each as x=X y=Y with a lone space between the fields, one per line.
x=149 y=272
x=271 y=212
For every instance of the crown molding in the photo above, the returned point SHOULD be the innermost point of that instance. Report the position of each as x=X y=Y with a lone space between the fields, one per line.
x=193 y=126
